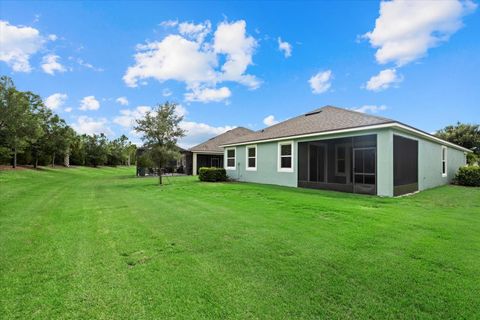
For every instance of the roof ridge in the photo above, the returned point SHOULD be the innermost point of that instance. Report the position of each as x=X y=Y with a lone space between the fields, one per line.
x=357 y=112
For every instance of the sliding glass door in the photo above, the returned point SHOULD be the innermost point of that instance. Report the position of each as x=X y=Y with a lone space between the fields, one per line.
x=364 y=170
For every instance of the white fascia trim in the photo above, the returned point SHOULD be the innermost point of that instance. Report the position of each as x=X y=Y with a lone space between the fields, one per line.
x=234 y=158
x=279 y=156
x=207 y=152
x=356 y=129
x=246 y=157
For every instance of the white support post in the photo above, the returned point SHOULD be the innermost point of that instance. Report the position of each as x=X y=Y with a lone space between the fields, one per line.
x=194 y=165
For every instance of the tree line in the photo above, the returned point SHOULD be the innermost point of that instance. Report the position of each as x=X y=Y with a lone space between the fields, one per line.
x=31 y=134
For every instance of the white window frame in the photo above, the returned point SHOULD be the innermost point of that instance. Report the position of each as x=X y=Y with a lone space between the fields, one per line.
x=444 y=174
x=344 y=146
x=254 y=146
x=279 y=156
x=234 y=159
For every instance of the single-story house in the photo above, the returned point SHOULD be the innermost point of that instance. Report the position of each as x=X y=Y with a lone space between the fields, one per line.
x=210 y=154
x=340 y=149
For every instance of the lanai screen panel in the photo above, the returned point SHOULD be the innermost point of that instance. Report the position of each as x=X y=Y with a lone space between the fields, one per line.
x=405 y=165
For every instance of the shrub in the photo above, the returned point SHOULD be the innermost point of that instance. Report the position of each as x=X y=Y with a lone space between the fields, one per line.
x=468 y=176
x=212 y=174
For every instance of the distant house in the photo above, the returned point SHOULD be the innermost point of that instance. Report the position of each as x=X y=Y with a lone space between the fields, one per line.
x=337 y=149
x=210 y=154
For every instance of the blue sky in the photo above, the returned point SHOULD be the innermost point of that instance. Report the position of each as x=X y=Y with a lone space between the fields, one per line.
x=244 y=64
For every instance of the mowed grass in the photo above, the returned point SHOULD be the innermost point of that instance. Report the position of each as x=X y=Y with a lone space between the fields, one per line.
x=101 y=244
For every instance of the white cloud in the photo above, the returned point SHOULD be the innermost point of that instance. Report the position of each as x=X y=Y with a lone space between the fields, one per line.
x=370 y=108
x=89 y=103
x=68 y=109
x=285 y=47
x=52 y=37
x=405 y=30
x=87 y=65
x=208 y=95
x=91 y=126
x=383 y=80
x=321 y=82
x=231 y=39
x=198 y=32
x=169 y=23
x=167 y=92
x=181 y=111
x=198 y=132
x=122 y=100
x=17 y=44
x=270 y=120
x=51 y=65
x=127 y=117
x=191 y=58
x=56 y=100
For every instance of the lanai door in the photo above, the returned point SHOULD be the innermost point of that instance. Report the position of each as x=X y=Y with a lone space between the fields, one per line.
x=364 y=170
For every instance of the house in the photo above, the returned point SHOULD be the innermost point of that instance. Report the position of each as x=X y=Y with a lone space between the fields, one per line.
x=340 y=149
x=210 y=154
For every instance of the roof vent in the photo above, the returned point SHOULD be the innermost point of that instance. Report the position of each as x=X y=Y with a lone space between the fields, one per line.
x=312 y=113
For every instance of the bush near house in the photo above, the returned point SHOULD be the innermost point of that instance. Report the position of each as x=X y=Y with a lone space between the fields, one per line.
x=212 y=174
x=468 y=176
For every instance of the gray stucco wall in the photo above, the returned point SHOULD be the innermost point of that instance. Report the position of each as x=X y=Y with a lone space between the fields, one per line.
x=430 y=162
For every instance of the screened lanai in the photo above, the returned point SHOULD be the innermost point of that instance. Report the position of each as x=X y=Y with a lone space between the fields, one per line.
x=342 y=164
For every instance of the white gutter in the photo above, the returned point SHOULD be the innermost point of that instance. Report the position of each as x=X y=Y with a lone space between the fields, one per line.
x=376 y=126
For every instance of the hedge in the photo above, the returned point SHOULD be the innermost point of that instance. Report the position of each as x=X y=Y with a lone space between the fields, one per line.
x=212 y=174
x=468 y=176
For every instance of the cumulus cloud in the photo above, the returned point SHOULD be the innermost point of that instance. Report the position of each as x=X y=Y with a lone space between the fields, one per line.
x=405 y=30
x=198 y=132
x=321 y=81
x=270 y=120
x=89 y=103
x=90 y=126
x=122 y=100
x=192 y=56
x=56 y=100
x=208 y=95
x=128 y=117
x=285 y=47
x=370 y=108
x=385 y=79
x=18 y=44
x=68 y=109
x=51 y=65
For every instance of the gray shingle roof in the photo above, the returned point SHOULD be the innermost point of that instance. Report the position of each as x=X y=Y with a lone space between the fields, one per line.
x=213 y=145
x=324 y=119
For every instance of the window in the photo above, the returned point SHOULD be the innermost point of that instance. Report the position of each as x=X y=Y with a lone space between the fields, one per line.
x=231 y=159
x=251 y=158
x=340 y=160
x=285 y=156
x=444 y=161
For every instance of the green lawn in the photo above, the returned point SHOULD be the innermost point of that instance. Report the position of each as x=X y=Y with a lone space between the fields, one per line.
x=99 y=243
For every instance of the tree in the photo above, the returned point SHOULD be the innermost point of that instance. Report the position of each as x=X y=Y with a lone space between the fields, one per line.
x=160 y=129
x=96 y=149
x=19 y=126
x=465 y=135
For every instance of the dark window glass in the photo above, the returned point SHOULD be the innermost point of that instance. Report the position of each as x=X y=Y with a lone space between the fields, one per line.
x=251 y=152
x=231 y=163
x=443 y=167
x=369 y=179
x=358 y=178
x=341 y=166
x=369 y=161
x=231 y=153
x=286 y=162
x=341 y=152
x=251 y=162
x=358 y=161
x=286 y=150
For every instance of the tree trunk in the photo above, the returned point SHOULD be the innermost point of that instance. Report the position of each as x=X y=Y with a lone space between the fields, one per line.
x=160 y=177
x=66 y=160
x=53 y=160
x=35 y=164
x=128 y=161
x=14 y=157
